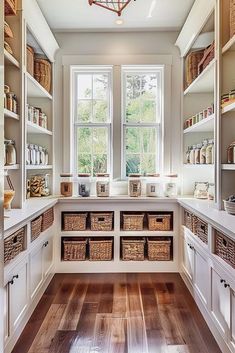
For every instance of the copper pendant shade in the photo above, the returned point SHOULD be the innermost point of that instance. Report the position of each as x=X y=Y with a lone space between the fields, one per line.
x=116 y=6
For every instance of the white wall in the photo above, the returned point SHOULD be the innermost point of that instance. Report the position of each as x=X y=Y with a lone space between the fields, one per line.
x=118 y=43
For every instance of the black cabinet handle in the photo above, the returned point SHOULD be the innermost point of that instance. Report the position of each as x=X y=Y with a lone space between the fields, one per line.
x=13 y=278
x=45 y=244
x=222 y=281
x=226 y=285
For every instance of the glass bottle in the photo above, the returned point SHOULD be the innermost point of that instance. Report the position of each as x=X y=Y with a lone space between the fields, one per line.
x=203 y=153
x=171 y=185
x=84 y=184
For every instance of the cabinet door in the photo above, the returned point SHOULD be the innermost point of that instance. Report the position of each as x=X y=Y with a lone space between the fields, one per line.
x=36 y=272
x=18 y=297
x=233 y=318
x=47 y=256
x=221 y=302
x=6 y=312
x=201 y=276
x=188 y=258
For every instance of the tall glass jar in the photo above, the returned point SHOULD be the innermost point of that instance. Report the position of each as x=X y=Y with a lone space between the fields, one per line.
x=66 y=185
x=37 y=154
x=153 y=185
x=10 y=152
x=134 y=185
x=32 y=154
x=171 y=185
x=39 y=185
x=84 y=185
x=102 y=185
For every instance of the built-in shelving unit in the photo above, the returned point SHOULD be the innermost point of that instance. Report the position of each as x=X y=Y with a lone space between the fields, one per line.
x=12 y=167
x=10 y=60
x=228 y=167
x=204 y=83
x=35 y=90
x=205 y=125
x=11 y=115
x=36 y=129
x=38 y=167
x=228 y=108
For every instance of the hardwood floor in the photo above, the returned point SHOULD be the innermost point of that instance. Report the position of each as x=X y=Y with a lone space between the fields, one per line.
x=116 y=313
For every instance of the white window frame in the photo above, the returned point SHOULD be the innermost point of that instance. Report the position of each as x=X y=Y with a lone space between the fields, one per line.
x=138 y=70
x=92 y=70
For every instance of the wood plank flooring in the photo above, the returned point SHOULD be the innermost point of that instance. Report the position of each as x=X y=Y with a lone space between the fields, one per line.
x=116 y=313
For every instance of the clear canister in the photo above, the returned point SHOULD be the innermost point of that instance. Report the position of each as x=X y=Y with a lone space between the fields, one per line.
x=134 y=185
x=39 y=185
x=153 y=185
x=102 y=185
x=84 y=185
x=66 y=185
x=171 y=185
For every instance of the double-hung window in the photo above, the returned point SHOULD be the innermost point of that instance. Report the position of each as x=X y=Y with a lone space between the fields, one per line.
x=142 y=96
x=92 y=119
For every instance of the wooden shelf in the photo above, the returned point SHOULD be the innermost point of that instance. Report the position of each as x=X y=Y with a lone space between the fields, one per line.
x=12 y=167
x=205 y=125
x=199 y=166
x=10 y=60
x=228 y=166
x=36 y=129
x=228 y=108
x=204 y=83
x=229 y=46
x=38 y=167
x=35 y=90
x=11 y=115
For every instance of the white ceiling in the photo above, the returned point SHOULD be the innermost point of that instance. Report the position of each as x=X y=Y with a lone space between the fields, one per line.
x=71 y=15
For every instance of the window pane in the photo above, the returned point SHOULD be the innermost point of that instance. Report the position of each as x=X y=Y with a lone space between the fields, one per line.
x=148 y=163
x=100 y=164
x=133 y=111
x=132 y=164
x=133 y=86
x=100 y=86
x=100 y=111
x=133 y=140
x=100 y=140
x=149 y=111
x=149 y=140
x=84 y=163
x=84 y=86
x=84 y=110
x=84 y=141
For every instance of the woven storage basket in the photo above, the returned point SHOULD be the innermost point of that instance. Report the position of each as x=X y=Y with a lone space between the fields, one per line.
x=232 y=18
x=225 y=248
x=159 y=249
x=74 y=221
x=36 y=226
x=133 y=249
x=10 y=7
x=100 y=249
x=208 y=56
x=14 y=245
x=8 y=47
x=189 y=220
x=102 y=221
x=159 y=222
x=200 y=229
x=47 y=219
x=42 y=73
x=7 y=31
x=74 y=250
x=30 y=60
x=191 y=66
x=133 y=222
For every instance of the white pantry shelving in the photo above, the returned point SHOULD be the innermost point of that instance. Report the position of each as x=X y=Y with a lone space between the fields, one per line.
x=35 y=90
x=205 y=125
x=204 y=83
x=36 y=129
x=11 y=115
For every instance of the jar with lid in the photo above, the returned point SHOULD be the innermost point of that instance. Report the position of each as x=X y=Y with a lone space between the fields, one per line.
x=211 y=191
x=42 y=155
x=232 y=95
x=66 y=185
x=210 y=152
x=46 y=156
x=197 y=153
x=9 y=98
x=171 y=185
x=6 y=91
x=37 y=154
x=203 y=153
x=14 y=104
x=192 y=154
x=44 y=121
x=153 y=185
x=40 y=119
x=230 y=153
x=36 y=112
x=10 y=150
x=102 y=185
x=32 y=154
x=39 y=185
x=27 y=154
x=187 y=156
x=9 y=193
x=134 y=185
x=225 y=99
x=84 y=184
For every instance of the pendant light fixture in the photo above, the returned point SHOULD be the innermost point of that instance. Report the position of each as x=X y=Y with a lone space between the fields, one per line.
x=116 y=6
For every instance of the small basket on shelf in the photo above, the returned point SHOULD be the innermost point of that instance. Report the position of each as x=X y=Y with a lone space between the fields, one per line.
x=30 y=60
x=100 y=249
x=74 y=249
x=133 y=222
x=47 y=219
x=133 y=249
x=43 y=72
x=102 y=221
x=10 y=7
x=159 y=249
x=159 y=222
x=74 y=221
x=36 y=226
x=14 y=244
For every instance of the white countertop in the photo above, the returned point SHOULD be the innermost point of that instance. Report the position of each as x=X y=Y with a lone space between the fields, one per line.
x=122 y=198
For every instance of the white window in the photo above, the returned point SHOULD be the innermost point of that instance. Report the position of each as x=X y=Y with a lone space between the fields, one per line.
x=92 y=111
x=142 y=96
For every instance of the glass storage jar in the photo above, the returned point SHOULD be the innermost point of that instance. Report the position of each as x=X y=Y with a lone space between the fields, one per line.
x=203 y=153
x=10 y=150
x=27 y=154
x=134 y=185
x=153 y=185
x=37 y=154
x=102 y=185
x=39 y=185
x=84 y=185
x=197 y=153
x=210 y=152
x=66 y=185
x=171 y=185
x=192 y=154
x=32 y=154
x=211 y=191
x=230 y=153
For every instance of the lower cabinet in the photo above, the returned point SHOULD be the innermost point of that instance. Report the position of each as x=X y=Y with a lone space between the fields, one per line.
x=47 y=256
x=188 y=258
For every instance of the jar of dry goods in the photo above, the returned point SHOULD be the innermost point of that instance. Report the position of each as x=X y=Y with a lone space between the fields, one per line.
x=211 y=191
x=27 y=154
x=210 y=152
x=203 y=153
x=225 y=99
x=187 y=156
x=32 y=154
x=84 y=184
x=192 y=154
x=153 y=185
x=10 y=152
x=66 y=185
x=197 y=153
x=36 y=112
x=39 y=185
x=232 y=94
x=37 y=154
x=102 y=185
x=230 y=153
x=171 y=185
x=134 y=185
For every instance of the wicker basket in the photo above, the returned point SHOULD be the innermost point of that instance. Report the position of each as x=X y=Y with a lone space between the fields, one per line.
x=36 y=226
x=102 y=221
x=189 y=220
x=14 y=245
x=7 y=31
x=159 y=222
x=74 y=250
x=133 y=249
x=133 y=222
x=47 y=219
x=159 y=249
x=100 y=249
x=232 y=18
x=10 y=7
x=208 y=56
x=225 y=248
x=74 y=221
x=30 y=60
x=200 y=229
x=42 y=73
x=191 y=66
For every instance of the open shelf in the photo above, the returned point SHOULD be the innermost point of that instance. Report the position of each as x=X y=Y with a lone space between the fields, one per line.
x=10 y=60
x=228 y=166
x=11 y=115
x=199 y=166
x=36 y=129
x=205 y=125
x=229 y=46
x=12 y=167
x=228 y=108
x=38 y=167
x=204 y=83
x=35 y=90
